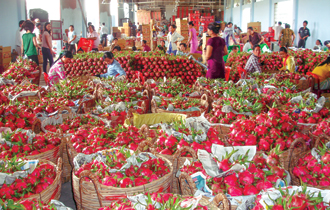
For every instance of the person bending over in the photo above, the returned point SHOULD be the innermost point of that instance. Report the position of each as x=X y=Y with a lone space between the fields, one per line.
x=114 y=67
x=56 y=72
x=323 y=72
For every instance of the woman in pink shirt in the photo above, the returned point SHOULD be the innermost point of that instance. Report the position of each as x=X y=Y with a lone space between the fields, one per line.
x=47 y=48
x=56 y=72
x=93 y=35
x=192 y=38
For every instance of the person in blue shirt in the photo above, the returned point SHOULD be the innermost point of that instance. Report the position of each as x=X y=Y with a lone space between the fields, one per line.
x=114 y=67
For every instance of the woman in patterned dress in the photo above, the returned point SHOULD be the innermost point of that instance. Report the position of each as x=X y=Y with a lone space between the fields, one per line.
x=56 y=72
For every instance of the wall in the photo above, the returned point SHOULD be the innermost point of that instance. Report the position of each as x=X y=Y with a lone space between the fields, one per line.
x=260 y=10
x=71 y=15
x=303 y=9
x=11 y=12
x=315 y=12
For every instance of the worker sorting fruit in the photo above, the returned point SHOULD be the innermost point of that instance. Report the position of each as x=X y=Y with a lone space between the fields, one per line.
x=323 y=73
x=57 y=72
x=288 y=61
x=114 y=68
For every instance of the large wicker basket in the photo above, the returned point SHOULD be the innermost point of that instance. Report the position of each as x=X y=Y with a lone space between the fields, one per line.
x=177 y=161
x=93 y=195
x=204 y=102
x=294 y=157
x=52 y=192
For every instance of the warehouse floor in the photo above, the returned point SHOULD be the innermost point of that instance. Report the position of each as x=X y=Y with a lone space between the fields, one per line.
x=67 y=195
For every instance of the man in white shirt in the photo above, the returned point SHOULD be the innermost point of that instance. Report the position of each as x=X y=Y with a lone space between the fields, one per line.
x=18 y=40
x=278 y=30
x=65 y=38
x=72 y=40
x=247 y=46
x=104 y=34
x=173 y=38
x=37 y=32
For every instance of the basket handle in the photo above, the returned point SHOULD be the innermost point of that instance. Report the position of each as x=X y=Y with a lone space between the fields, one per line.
x=153 y=106
x=222 y=198
x=184 y=177
x=144 y=130
x=292 y=148
x=144 y=144
x=59 y=165
x=144 y=107
x=92 y=177
x=145 y=93
x=182 y=150
x=35 y=123
x=63 y=108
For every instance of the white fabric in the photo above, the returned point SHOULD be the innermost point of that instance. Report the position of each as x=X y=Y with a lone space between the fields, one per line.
x=71 y=34
x=19 y=34
x=36 y=31
x=104 y=30
x=277 y=30
x=65 y=37
x=96 y=41
x=175 y=37
x=247 y=47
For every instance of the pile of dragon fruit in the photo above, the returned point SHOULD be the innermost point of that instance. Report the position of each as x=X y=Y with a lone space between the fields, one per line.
x=167 y=137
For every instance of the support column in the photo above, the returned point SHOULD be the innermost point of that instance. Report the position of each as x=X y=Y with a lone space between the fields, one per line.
x=224 y=12
x=271 y=13
x=295 y=16
x=252 y=11
x=231 y=10
x=240 y=13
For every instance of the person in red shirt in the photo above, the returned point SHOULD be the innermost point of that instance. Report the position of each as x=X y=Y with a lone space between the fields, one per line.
x=146 y=48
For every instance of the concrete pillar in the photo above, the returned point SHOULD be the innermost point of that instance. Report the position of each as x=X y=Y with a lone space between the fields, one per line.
x=271 y=13
x=252 y=11
x=240 y=13
x=231 y=10
x=225 y=11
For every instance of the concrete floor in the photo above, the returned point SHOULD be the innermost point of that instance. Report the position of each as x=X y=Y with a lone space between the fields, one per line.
x=67 y=195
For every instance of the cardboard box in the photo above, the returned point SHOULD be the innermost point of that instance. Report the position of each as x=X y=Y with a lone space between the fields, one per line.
x=5 y=56
x=126 y=24
x=256 y=26
x=116 y=35
x=205 y=39
x=115 y=29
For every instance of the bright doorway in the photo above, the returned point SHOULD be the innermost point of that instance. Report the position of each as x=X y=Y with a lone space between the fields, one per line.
x=246 y=18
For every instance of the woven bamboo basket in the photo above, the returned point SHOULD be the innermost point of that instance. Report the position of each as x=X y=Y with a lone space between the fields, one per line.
x=64 y=116
x=67 y=169
x=72 y=153
x=177 y=161
x=146 y=102
x=93 y=195
x=304 y=84
x=223 y=129
x=51 y=155
x=37 y=96
x=188 y=187
x=204 y=102
x=86 y=105
x=293 y=159
x=36 y=126
x=52 y=192
x=305 y=128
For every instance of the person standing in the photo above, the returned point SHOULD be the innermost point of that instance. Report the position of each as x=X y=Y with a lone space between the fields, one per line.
x=65 y=38
x=37 y=32
x=215 y=50
x=72 y=38
x=303 y=35
x=286 y=37
x=229 y=32
x=47 y=49
x=238 y=31
x=104 y=35
x=173 y=38
x=18 y=40
x=254 y=37
x=134 y=29
x=192 y=40
x=253 y=64
x=200 y=30
x=92 y=35
x=278 y=29
x=29 y=43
